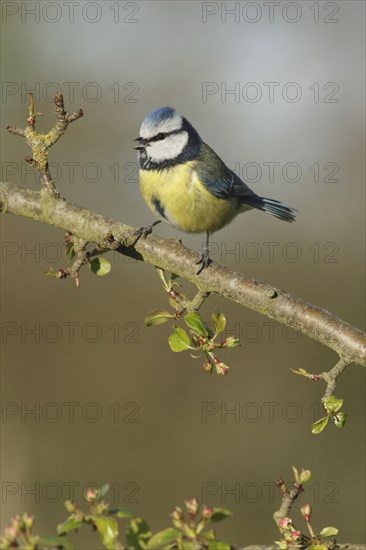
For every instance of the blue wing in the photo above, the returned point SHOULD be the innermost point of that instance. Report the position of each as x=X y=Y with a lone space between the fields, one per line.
x=224 y=184
x=218 y=178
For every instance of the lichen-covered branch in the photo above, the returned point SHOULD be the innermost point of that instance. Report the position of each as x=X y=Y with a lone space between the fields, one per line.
x=170 y=255
x=40 y=143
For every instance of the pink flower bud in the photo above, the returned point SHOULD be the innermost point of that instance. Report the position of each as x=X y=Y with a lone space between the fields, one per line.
x=15 y=522
x=207 y=366
x=10 y=532
x=296 y=535
x=192 y=506
x=207 y=512
x=285 y=523
x=221 y=368
x=91 y=495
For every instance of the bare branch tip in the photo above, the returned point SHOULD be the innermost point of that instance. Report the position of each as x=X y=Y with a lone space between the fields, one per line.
x=31 y=100
x=70 y=117
x=15 y=130
x=59 y=98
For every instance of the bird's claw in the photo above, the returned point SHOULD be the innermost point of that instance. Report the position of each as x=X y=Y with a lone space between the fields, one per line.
x=204 y=260
x=143 y=232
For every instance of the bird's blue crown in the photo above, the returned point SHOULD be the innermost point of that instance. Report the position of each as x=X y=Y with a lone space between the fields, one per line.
x=157 y=116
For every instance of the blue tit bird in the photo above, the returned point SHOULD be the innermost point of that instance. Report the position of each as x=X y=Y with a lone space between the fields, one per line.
x=186 y=184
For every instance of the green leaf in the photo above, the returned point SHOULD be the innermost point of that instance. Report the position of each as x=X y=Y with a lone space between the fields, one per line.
x=189 y=531
x=108 y=530
x=301 y=372
x=159 y=540
x=138 y=534
x=179 y=340
x=55 y=542
x=157 y=317
x=319 y=425
x=296 y=474
x=103 y=490
x=208 y=535
x=217 y=545
x=333 y=404
x=317 y=547
x=70 y=506
x=161 y=275
x=51 y=273
x=72 y=523
x=70 y=251
x=219 y=514
x=120 y=513
x=100 y=266
x=305 y=476
x=219 y=321
x=329 y=532
x=340 y=419
x=194 y=321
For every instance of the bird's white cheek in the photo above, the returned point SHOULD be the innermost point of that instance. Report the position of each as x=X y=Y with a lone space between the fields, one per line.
x=169 y=148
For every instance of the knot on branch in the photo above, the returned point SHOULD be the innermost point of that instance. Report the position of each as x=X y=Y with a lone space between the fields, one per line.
x=271 y=293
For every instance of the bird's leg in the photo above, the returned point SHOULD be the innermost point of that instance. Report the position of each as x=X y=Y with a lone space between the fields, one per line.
x=205 y=256
x=144 y=231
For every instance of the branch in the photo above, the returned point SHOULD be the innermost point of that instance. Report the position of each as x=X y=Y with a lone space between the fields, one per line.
x=170 y=255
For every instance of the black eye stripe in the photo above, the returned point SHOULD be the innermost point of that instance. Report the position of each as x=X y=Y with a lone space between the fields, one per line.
x=159 y=137
x=162 y=135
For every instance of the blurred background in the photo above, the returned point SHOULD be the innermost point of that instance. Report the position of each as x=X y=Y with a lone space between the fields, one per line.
x=90 y=395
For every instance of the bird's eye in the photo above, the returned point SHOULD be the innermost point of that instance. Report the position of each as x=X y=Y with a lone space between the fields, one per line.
x=160 y=136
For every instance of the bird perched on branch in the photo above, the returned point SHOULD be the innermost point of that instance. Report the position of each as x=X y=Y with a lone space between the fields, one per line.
x=186 y=184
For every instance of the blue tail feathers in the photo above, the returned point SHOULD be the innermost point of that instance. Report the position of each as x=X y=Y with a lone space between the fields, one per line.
x=276 y=208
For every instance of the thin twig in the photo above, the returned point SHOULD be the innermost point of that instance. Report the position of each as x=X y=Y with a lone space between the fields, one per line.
x=288 y=499
x=189 y=305
x=331 y=377
x=15 y=130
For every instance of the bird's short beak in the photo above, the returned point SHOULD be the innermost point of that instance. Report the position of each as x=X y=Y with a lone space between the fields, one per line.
x=142 y=143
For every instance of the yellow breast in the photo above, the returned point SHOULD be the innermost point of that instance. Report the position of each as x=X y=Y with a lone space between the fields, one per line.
x=177 y=196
